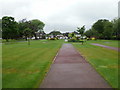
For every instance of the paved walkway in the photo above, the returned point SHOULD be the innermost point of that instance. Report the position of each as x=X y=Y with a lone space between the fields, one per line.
x=113 y=48
x=71 y=70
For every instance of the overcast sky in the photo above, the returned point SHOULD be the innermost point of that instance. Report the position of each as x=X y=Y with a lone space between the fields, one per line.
x=63 y=15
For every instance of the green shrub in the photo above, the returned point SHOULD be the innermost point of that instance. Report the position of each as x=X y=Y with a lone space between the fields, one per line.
x=52 y=39
x=73 y=40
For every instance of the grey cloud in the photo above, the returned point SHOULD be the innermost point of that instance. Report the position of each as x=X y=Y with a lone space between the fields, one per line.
x=12 y=7
x=66 y=17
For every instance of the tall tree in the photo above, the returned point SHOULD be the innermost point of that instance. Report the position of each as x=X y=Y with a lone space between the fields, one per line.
x=35 y=26
x=99 y=27
x=41 y=34
x=0 y=28
x=118 y=34
x=116 y=28
x=9 y=28
x=71 y=35
x=66 y=34
x=22 y=25
x=28 y=34
x=91 y=33
x=108 y=30
x=81 y=30
x=55 y=33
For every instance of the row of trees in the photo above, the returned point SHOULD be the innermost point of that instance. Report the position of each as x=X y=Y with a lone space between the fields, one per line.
x=55 y=33
x=22 y=29
x=105 y=29
x=102 y=29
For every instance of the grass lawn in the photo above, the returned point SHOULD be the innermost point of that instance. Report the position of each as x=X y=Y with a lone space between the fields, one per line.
x=112 y=43
x=24 y=66
x=105 y=61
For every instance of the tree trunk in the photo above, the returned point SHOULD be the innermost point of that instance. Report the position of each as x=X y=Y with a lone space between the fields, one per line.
x=26 y=38
x=28 y=41
x=39 y=35
x=82 y=40
x=7 y=40
x=35 y=36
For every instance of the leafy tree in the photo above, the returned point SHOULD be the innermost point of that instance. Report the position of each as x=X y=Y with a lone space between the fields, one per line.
x=55 y=33
x=35 y=26
x=75 y=32
x=91 y=33
x=99 y=27
x=71 y=35
x=9 y=28
x=0 y=24
x=88 y=33
x=28 y=34
x=116 y=28
x=0 y=28
x=118 y=34
x=42 y=34
x=22 y=25
x=108 y=30
x=66 y=34
x=81 y=30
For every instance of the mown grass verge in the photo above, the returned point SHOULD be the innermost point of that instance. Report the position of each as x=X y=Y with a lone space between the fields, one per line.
x=24 y=66
x=105 y=61
x=112 y=43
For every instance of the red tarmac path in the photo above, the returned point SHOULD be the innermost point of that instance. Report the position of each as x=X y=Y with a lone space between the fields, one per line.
x=71 y=70
x=113 y=48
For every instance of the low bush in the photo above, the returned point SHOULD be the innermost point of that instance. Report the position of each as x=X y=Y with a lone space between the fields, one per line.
x=73 y=40
x=52 y=38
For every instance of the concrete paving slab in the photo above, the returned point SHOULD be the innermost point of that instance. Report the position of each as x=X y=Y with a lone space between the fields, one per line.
x=73 y=76
x=68 y=54
x=71 y=70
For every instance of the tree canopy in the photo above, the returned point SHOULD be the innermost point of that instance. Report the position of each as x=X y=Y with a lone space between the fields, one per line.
x=81 y=30
x=16 y=30
x=55 y=33
x=105 y=29
x=9 y=28
x=102 y=29
x=35 y=26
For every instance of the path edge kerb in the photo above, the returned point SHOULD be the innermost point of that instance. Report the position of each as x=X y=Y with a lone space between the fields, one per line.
x=49 y=68
x=92 y=66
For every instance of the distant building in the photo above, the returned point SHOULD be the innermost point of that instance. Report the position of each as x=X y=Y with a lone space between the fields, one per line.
x=40 y=35
x=78 y=35
x=57 y=36
x=60 y=37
